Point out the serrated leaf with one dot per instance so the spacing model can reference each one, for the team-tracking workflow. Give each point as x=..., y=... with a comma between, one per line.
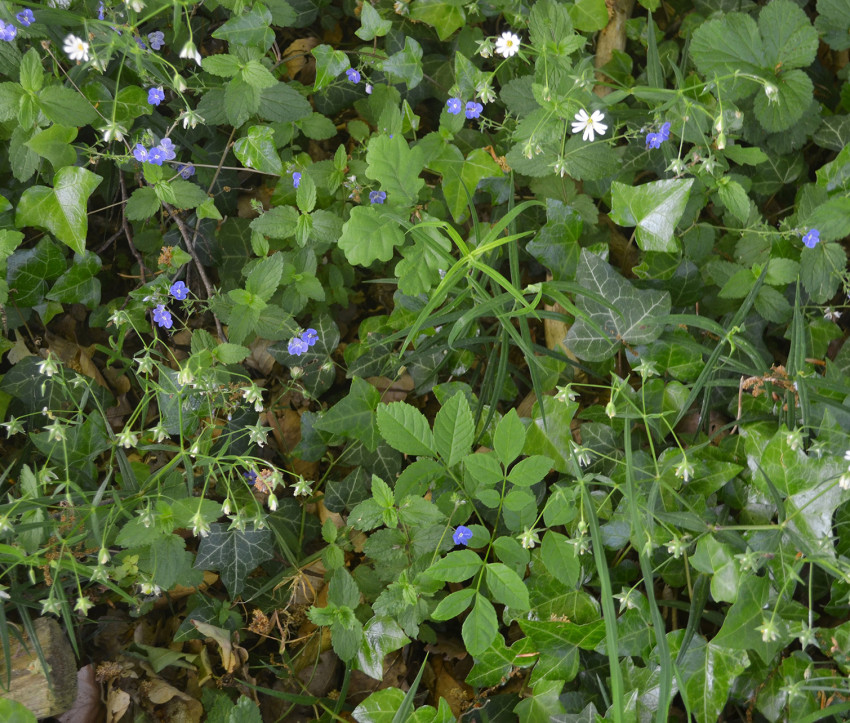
x=833, y=21
x=222, y=65
x=142, y=204
x=419, y=270
x=726, y=46
x=265, y=277
x=257, y=150
x=734, y=197
x=654, y=208
x=793, y=98
x=790, y=41
x=277, y=223
x=396, y=166
x=405, y=428
x=369, y=236
x=66, y=106
x=234, y=553
x=241, y=101
x=249, y=28
x=637, y=316
x=283, y=104
x=454, y=430
x=185, y=194
x=61, y=209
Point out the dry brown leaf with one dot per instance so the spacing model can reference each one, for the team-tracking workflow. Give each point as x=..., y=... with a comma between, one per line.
x=450, y=648
x=87, y=708
x=229, y=658
x=393, y=390
x=260, y=359
x=19, y=350
x=178, y=591
x=75, y=356
x=299, y=59
x=444, y=685
x=117, y=703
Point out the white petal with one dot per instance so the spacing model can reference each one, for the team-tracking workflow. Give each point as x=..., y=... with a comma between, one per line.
x=588, y=133
x=600, y=128
x=597, y=116
x=581, y=116
x=578, y=127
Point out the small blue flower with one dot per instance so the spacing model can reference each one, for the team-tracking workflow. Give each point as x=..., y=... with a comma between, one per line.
x=377, y=196
x=156, y=39
x=101, y=10
x=179, y=290
x=167, y=149
x=454, y=105
x=140, y=153
x=251, y=476
x=140, y=42
x=26, y=18
x=156, y=156
x=296, y=179
x=297, y=346
x=473, y=109
x=462, y=535
x=812, y=238
x=353, y=75
x=664, y=132
x=155, y=96
x=162, y=316
x=186, y=171
x=7, y=32
x=309, y=337
x=654, y=140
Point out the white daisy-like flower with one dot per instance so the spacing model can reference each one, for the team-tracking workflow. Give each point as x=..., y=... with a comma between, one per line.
x=76, y=48
x=507, y=44
x=589, y=124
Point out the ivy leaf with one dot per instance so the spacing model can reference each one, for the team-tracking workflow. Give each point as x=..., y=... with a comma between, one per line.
x=381, y=636
x=654, y=208
x=709, y=671
x=396, y=166
x=61, y=209
x=79, y=284
x=54, y=144
x=380, y=707
x=329, y=64
x=445, y=16
x=234, y=553
x=29, y=270
x=406, y=429
x=419, y=270
x=743, y=619
x=406, y=64
x=369, y=236
x=257, y=150
x=353, y=416
x=461, y=177
x=371, y=24
x=637, y=316
x=717, y=559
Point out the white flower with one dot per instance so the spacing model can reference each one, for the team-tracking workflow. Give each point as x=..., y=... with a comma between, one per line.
x=225, y=508
x=611, y=409
x=13, y=426
x=144, y=364
x=200, y=527
x=56, y=432
x=185, y=376
x=566, y=394
x=772, y=92
x=844, y=481
x=127, y=438
x=485, y=48
x=190, y=118
x=148, y=588
x=190, y=51
x=3, y=594
x=257, y=434
x=589, y=124
x=831, y=314
x=768, y=631
x=678, y=546
x=159, y=433
x=684, y=470
x=301, y=488
x=529, y=538
x=49, y=366
x=76, y=48
x=137, y=5
x=507, y=44
x=179, y=84
x=113, y=132
x=272, y=502
x=253, y=395
x=83, y=605
x=103, y=556
x=794, y=439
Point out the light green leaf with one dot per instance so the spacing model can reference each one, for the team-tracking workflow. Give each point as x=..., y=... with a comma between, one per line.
x=371, y=23
x=453, y=604
x=185, y=194
x=419, y=270
x=461, y=177
x=234, y=554
x=283, y=104
x=588, y=16
x=54, y=144
x=381, y=636
x=379, y=707
x=717, y=559
x=406, y=64
x=637, y=316
x=369, y=236
x=265, y=277
x=396, y=166
x=509, y=438
x=406, y=429
x=734, y=197
x=560, y=558
x=819, y=269
x=454, y=430
x=276, y=223
x=329, y=64
x=241, y=101
x=507, y=587
x=13, y=712
x=61, y=209
x=727, y=46
x=143, y=203
x=740, y=630
x=249, y=28
x=257, y=150
x=654, y=208
x=530, y=471
x=457, y=566
x=709, y=671
x=790, y=41
x=256, y=74
x=551, y=29
x=445, y=16
x=353, y=416
x=222, y=65
x=66, y=106
x=480, y=627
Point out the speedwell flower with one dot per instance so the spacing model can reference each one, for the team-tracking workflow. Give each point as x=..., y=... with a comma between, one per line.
x=812, y=238
x=297, y=346
x=25, y=17
x=589, y=124
x=76, y=48
x=162, y=316
x=156, y=39
x=462, y=535
x=310, y=336
x=7, y=32
x=473, y=109
x=454, y=105
x=377, y=196
x=654, y=140
x=179, y=290
x=507, y=44
x=186, y=171
x=155, y=96
x=296, y=179
x=353, y=75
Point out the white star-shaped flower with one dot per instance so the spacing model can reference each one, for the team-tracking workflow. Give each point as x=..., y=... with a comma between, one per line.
x=76, y=48
x=589, y=124
x=507, y=44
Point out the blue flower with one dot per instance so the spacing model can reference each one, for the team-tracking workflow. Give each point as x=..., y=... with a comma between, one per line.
x=7, y=32
x=140, y=153
x=309, y=337
x=353, y=75
x=296, y=179
x=167, y=148
x=186, y=171
x=454, y=105
x=664, y=132
x=156, y=156
x=377, y=196
x=156, y=39
x=251, y=476
x=654, y=140
x=162, y=316
x=179, y=290
x=473, y=109
x=155, y=96
x=462, y=535
x=26, y=18
x=812, y=238
x=297, y=346
x=140, y=42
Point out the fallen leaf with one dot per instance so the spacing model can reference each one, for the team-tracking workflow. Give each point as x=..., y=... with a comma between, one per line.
x=298, y=59
x=117, y=703
x=87, y=707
